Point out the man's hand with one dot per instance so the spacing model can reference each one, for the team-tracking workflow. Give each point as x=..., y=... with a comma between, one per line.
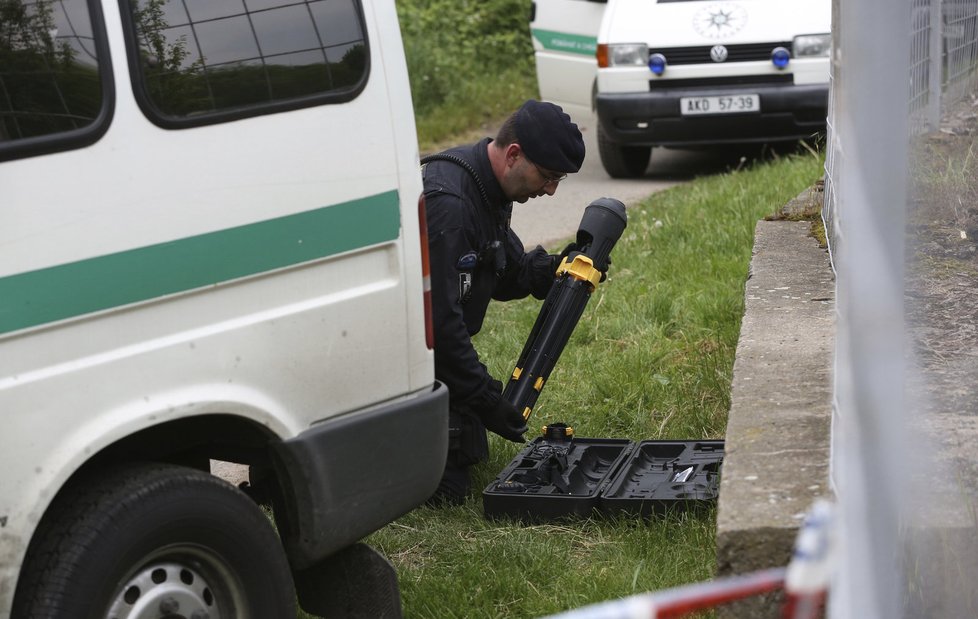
x=572, y=247
x=503, y=418
x=558, y=259
x=604, y=274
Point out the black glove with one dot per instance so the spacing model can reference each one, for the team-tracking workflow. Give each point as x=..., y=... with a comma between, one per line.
x=604, y=273
x=502, y=418
x=572, y=247
x=558, y=259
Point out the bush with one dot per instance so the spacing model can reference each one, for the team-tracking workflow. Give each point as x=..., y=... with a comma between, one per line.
x=468, y=61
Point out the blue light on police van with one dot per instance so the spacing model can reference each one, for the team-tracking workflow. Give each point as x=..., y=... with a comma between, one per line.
x=657, y=63
x=780, y=57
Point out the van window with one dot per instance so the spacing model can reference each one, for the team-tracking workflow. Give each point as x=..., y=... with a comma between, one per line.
x=203, y=58
x=49, y=69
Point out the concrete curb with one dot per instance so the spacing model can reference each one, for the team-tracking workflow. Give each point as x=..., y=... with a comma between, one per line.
x=777, y=441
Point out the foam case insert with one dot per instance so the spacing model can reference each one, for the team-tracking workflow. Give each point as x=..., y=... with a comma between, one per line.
x=555, y=478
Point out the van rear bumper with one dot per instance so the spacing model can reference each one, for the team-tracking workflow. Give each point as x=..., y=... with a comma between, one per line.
x=787, y=112
x=346, y=478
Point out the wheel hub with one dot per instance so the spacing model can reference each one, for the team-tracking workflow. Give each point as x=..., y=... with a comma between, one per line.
x=166, y=591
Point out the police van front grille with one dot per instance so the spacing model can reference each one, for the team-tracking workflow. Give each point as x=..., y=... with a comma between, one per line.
x=713, y=82
x=735, y=53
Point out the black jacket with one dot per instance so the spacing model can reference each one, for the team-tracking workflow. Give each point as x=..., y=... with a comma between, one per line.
x=467, y=271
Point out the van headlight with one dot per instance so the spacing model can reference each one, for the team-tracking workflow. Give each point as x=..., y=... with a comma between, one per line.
x=623, y=55
x=808, y=45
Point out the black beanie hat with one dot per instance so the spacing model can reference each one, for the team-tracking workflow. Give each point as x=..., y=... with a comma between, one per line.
x=548, y=137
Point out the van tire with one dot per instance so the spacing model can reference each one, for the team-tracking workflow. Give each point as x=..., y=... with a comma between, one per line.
x=622, y=161
x=154, y=536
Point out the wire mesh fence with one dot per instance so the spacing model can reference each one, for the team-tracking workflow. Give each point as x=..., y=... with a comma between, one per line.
x=943, y=56
x=901, y=214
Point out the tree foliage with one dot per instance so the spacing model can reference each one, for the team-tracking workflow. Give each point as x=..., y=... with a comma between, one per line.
x=450, y=42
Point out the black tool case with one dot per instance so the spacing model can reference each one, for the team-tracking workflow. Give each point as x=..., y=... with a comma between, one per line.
x=555, y=478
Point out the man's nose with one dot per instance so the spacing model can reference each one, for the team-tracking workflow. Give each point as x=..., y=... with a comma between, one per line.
x=550, y=188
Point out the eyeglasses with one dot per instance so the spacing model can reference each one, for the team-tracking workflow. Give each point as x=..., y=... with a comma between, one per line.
x=548, y=178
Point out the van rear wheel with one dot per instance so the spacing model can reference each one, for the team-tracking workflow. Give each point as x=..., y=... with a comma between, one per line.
x=622, y=161
x=155, y=541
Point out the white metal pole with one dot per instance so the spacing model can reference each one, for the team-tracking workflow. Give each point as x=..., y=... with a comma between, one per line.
x=935, y=64
x=869, y=432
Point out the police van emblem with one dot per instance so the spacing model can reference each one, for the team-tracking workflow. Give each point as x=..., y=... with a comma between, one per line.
x=718, y=53
x=719, y=20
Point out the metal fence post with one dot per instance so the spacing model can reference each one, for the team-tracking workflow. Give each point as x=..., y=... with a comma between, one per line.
x=936, y=64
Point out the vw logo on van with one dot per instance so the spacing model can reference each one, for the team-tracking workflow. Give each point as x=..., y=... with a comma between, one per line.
x=718, y=53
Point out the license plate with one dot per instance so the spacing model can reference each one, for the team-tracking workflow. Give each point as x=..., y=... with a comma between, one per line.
x=723, y=104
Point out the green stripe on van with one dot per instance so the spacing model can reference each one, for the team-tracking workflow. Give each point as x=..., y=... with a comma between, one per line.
x=565, y=42
x=67, y=290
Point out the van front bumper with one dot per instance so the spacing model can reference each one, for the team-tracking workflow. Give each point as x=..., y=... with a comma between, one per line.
x=787, y=112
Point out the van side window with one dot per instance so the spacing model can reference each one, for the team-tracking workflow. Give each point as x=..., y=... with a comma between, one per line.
x=50, y=79
x=242, y=57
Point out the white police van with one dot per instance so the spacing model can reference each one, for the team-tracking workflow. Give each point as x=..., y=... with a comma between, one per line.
x=685, y=72
x=211, y=247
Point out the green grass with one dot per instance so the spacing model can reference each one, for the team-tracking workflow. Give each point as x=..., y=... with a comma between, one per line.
x=454, y=563
x=651, y=359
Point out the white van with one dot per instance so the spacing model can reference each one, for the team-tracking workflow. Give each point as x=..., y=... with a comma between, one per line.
x=685, y=72
x=211, y=247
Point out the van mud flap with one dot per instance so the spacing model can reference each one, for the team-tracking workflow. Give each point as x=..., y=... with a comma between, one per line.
x=357, y=582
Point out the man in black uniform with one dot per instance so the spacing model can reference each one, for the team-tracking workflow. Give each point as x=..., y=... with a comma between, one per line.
x=475, y=256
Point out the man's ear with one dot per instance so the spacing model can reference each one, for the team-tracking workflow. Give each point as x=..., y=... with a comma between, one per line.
x=513, y=153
